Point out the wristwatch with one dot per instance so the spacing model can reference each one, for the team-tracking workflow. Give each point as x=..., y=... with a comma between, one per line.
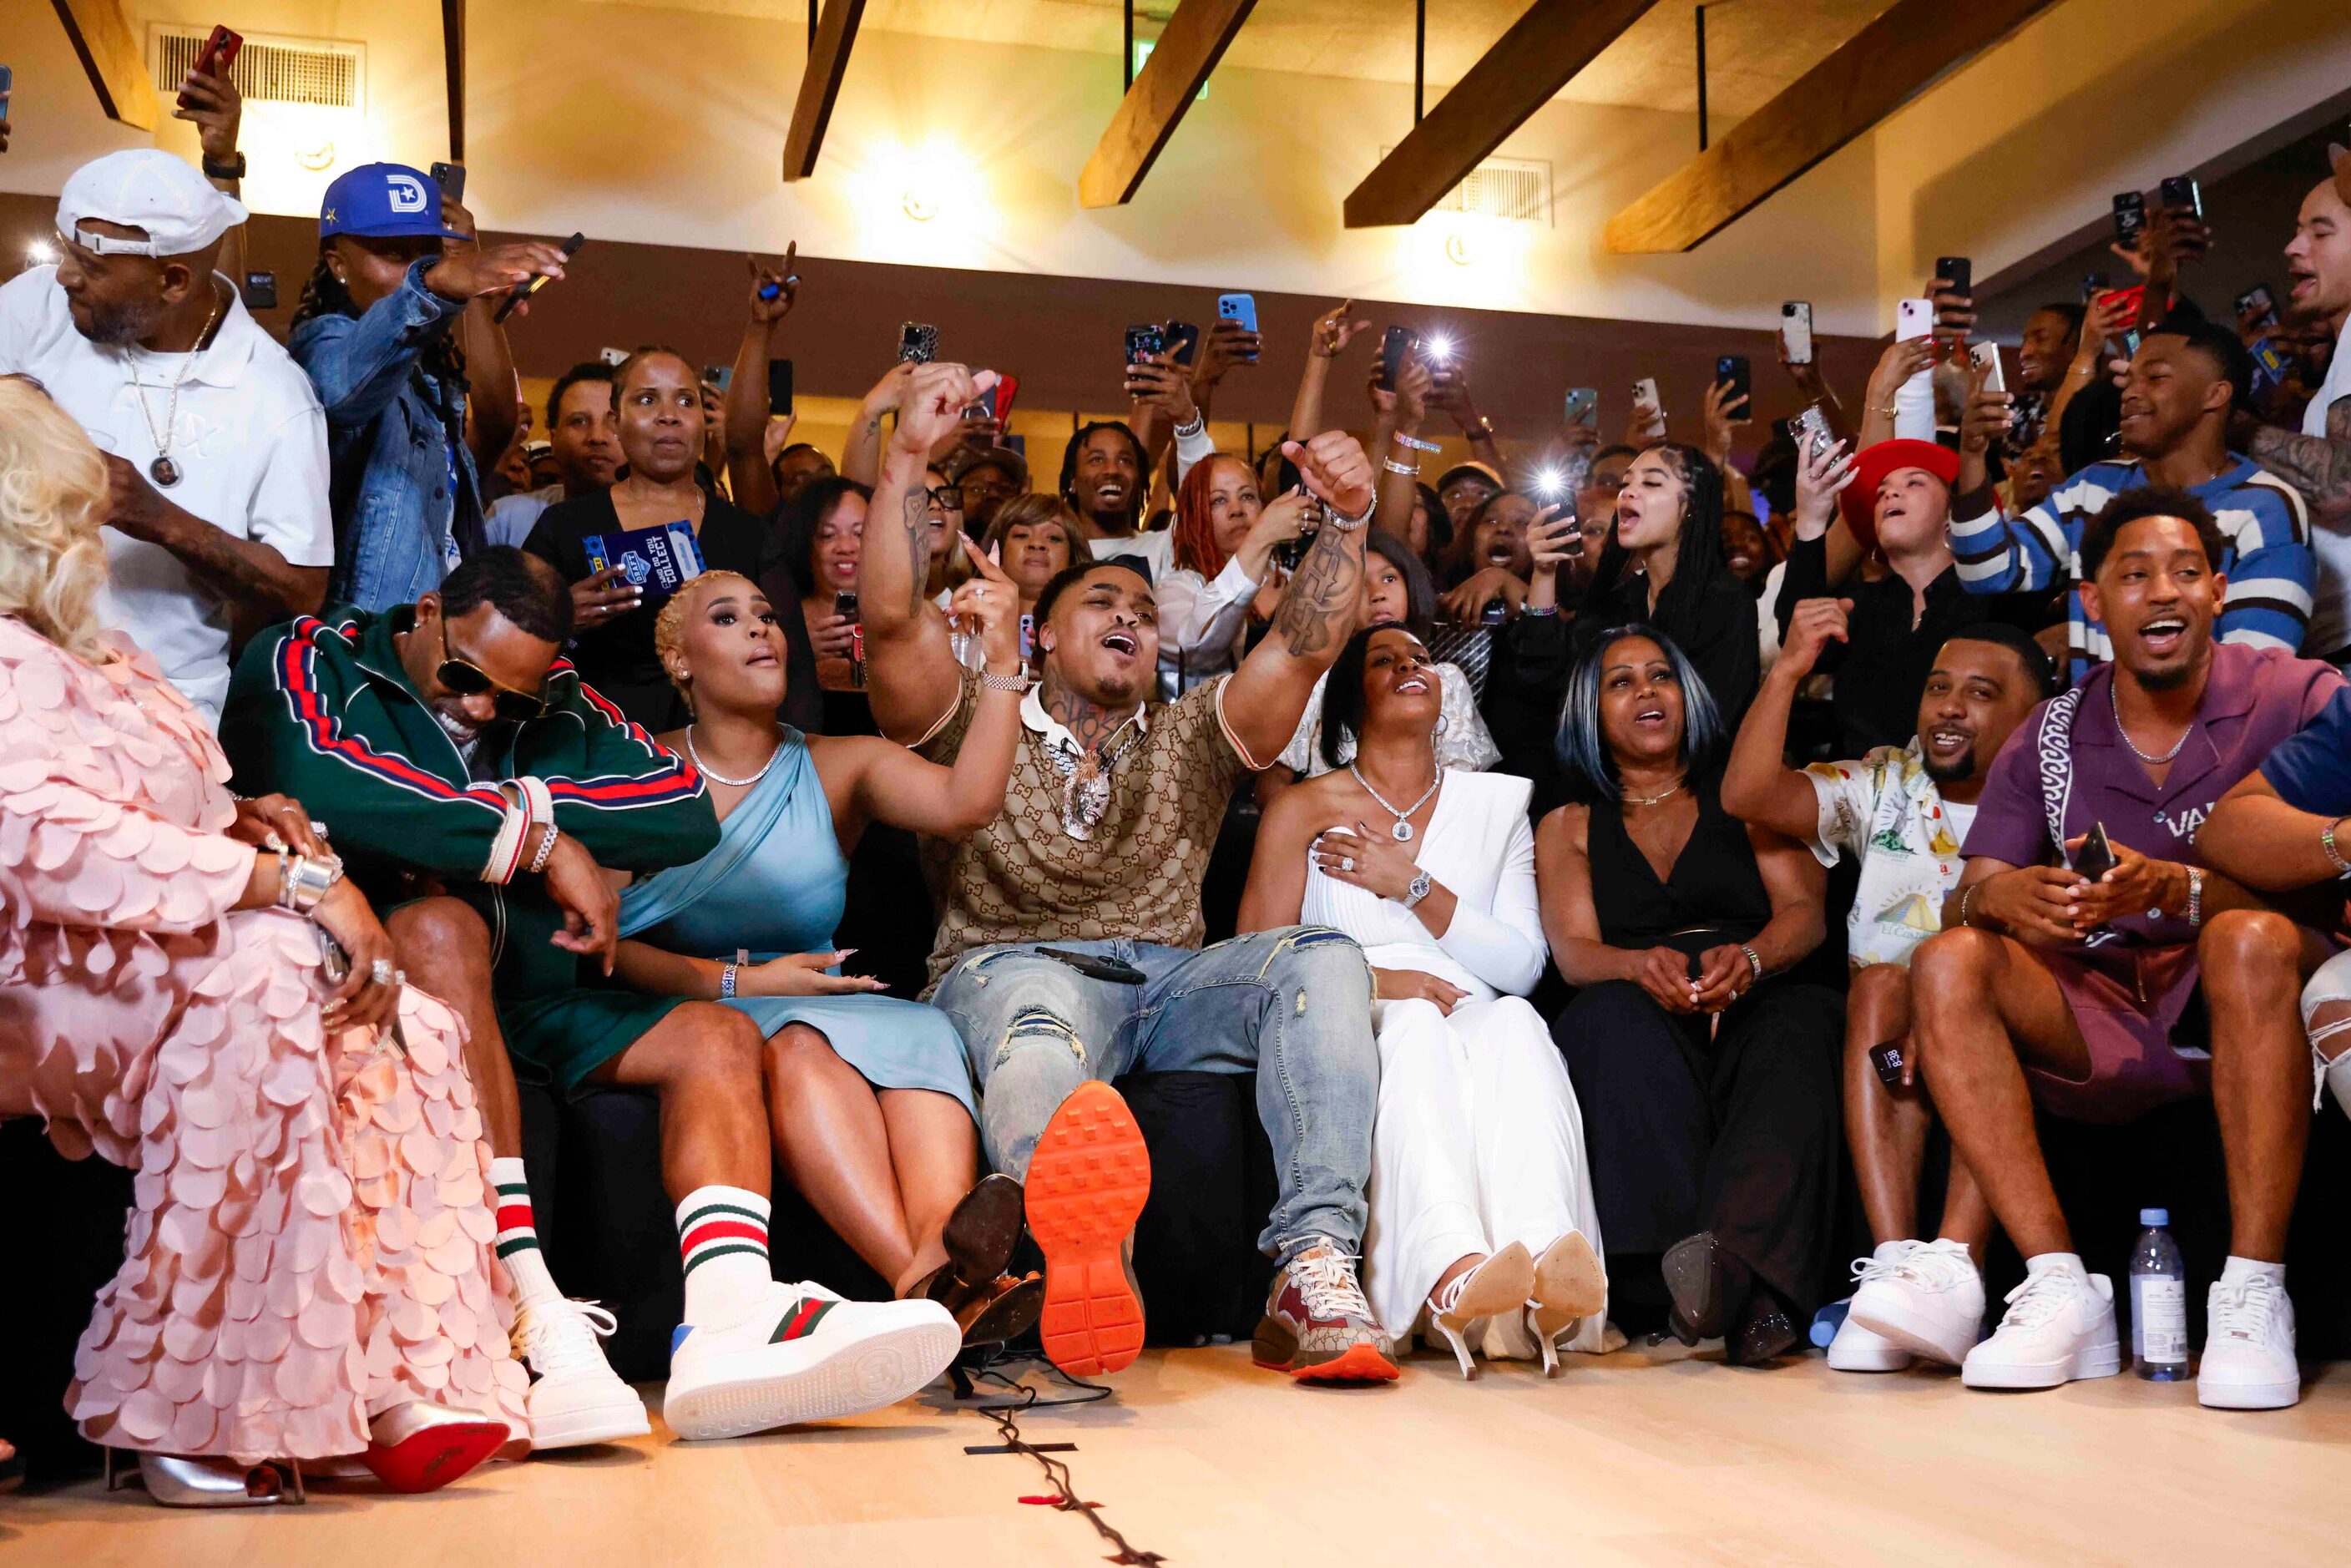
x=1417, y=891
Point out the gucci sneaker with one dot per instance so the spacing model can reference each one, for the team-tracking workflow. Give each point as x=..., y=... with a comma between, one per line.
x=2247, y=1347
x=1926, y=1298
x=2060, y=1326
x=575, y=1397
x=803, y=1354
x=1317, y=1324
x=1086, y=1186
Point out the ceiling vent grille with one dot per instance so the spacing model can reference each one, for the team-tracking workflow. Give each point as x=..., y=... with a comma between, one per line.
x=280, y=70
x=1511, y=190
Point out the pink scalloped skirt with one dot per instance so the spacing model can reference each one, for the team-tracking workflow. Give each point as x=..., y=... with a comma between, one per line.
x=310, y=1241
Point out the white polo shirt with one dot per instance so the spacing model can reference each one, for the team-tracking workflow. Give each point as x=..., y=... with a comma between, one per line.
x=249, y=439
x=2330, y=607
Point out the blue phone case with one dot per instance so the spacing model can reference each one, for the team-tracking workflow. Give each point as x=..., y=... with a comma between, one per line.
x=1240, y=307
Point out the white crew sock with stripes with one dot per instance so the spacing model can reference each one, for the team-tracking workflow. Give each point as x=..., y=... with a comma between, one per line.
x=518, y=1239
x=722, y=1232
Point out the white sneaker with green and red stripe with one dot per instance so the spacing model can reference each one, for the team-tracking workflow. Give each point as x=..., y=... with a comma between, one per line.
x=803, y=1354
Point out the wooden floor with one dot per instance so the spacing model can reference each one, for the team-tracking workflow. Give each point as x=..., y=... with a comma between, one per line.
x=1639, y=1457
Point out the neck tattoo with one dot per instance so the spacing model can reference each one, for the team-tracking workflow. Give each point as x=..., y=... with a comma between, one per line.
x=1102, y=737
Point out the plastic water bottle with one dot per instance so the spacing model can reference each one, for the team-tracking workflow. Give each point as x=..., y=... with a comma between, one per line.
x=2159, y=1284
x=1828, y=1320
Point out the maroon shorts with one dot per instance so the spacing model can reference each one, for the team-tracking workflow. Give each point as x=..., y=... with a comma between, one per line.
x=2145, y=1028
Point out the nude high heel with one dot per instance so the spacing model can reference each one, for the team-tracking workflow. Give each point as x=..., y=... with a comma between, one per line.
x=1498, y=1284
x=1570, y=1284
x=177, y=1480
x=419, y=1446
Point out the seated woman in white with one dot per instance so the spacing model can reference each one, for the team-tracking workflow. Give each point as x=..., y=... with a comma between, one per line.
x=1481, y=1204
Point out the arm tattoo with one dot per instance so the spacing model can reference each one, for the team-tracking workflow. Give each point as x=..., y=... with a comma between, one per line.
x=918, y=548
x=2319, y=466
x=1318, y=611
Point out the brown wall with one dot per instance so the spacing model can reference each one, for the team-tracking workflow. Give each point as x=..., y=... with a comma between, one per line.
x=1062, y=336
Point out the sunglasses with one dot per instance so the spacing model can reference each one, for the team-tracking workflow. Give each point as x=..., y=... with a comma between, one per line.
x=467, y=679
x=946, y=497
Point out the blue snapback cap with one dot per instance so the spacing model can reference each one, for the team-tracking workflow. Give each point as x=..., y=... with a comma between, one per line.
x=383, y=201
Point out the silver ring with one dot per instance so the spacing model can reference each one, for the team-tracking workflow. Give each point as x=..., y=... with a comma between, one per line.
x=1346, y=863
x=382, y=973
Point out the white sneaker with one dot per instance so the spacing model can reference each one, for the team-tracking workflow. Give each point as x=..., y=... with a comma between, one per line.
x=2060, y=1326
x=576, y=1397
x=2248, y=1348
x=803, y=1354
x=1927, y=1299
x=1856, y=1349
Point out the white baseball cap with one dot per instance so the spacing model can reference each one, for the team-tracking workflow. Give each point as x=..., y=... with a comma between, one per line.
x=146, y=188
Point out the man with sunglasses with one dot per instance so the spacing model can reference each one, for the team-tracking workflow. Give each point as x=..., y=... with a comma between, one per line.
x=472, y=787
x=214, y=441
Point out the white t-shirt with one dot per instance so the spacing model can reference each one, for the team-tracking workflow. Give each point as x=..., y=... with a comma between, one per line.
x=249, y=440
x=1157, y=548
x=2330, y=607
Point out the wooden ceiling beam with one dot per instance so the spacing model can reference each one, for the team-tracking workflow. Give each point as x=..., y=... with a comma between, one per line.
x=452, y=65
x=1542, y=51
x=1885, y=64
x=112, y=60
x=1189, y=47
x=828, y=62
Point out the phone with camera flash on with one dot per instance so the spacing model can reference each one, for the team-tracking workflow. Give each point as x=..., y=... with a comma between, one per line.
x=215, y=58
x=529, y=286
x=1796, y=331
x=451, y=178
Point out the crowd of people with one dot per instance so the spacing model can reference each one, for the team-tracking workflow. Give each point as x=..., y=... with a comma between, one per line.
x=364, y=762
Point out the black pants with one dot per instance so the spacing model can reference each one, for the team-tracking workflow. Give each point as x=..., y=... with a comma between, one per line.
x=1738, y=1135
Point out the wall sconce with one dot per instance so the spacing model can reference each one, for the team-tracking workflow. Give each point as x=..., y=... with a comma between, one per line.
x=1457, y=248
x=919, y=201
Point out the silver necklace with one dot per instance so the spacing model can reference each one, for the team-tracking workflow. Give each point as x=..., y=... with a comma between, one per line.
x=164, y=471
x=2114, y=703
x=718, y=777
x=1085, y=779
x=1401, y=832
x=1650, y=800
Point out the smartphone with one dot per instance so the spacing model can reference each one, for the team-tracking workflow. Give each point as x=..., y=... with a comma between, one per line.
x=1644, y=393
x=1811, y=430
x=2270, y=365
x=1183, y=340
x=2131, y=219
x=918, y=342
x=1958, y=271
x=1007, y=387
x=451, y=178
x=215, y=57
x=1732, y=370
x=260, y=291
x=1395, y=344
x=2258, y=303
x=779, y=386
x=1914, y=318
x=523, y=291
x=615, y=358
x=2092, y=284
x=2180, y=194
x=844, y=603
x=1796, y=330
x=1098, y=968
x=1240, y=307
x=1987, y=357
x=8, y=86
x=1145, y=343
x=2096, y=855
x=1027, y=634
x=1583, y=405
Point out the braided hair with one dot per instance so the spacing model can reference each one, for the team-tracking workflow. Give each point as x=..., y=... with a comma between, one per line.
x=324, y=293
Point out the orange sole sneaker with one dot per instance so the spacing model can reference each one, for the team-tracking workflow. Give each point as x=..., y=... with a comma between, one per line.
x=1086, y=1186
x=1362, y=1363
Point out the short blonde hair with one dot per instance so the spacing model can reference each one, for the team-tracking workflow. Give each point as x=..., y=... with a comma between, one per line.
x=669, y=626
x=54, y=495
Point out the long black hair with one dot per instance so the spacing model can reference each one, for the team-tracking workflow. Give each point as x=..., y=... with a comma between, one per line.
x=1697, y=559
x=324, y=295
x=1419, y=587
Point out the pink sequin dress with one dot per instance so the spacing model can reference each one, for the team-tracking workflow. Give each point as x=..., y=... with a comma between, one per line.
x=309, y=1243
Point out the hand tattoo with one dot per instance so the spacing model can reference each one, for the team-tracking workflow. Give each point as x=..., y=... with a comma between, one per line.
x=1318, y=611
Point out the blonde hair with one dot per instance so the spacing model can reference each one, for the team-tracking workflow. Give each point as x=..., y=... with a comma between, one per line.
x=669, y=626
x=54, y=495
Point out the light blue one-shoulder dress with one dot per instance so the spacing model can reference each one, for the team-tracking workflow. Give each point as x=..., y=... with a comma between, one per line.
x=776, y=884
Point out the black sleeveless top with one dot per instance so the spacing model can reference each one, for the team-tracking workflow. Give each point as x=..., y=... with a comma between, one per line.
x=1715, y=894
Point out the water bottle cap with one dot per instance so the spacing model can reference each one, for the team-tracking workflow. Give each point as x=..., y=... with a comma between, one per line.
x=2155, y=1217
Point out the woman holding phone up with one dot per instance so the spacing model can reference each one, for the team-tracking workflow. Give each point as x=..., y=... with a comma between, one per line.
x=869, y=1097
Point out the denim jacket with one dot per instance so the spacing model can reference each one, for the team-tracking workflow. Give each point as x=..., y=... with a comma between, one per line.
x=396, y=436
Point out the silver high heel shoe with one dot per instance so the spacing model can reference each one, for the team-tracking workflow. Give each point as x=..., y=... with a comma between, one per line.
x=1498, y=1284
x=177, y=1480
x=1570, y=1284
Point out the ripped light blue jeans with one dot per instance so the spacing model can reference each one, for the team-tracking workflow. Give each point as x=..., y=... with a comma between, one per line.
x=1293, y=1006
